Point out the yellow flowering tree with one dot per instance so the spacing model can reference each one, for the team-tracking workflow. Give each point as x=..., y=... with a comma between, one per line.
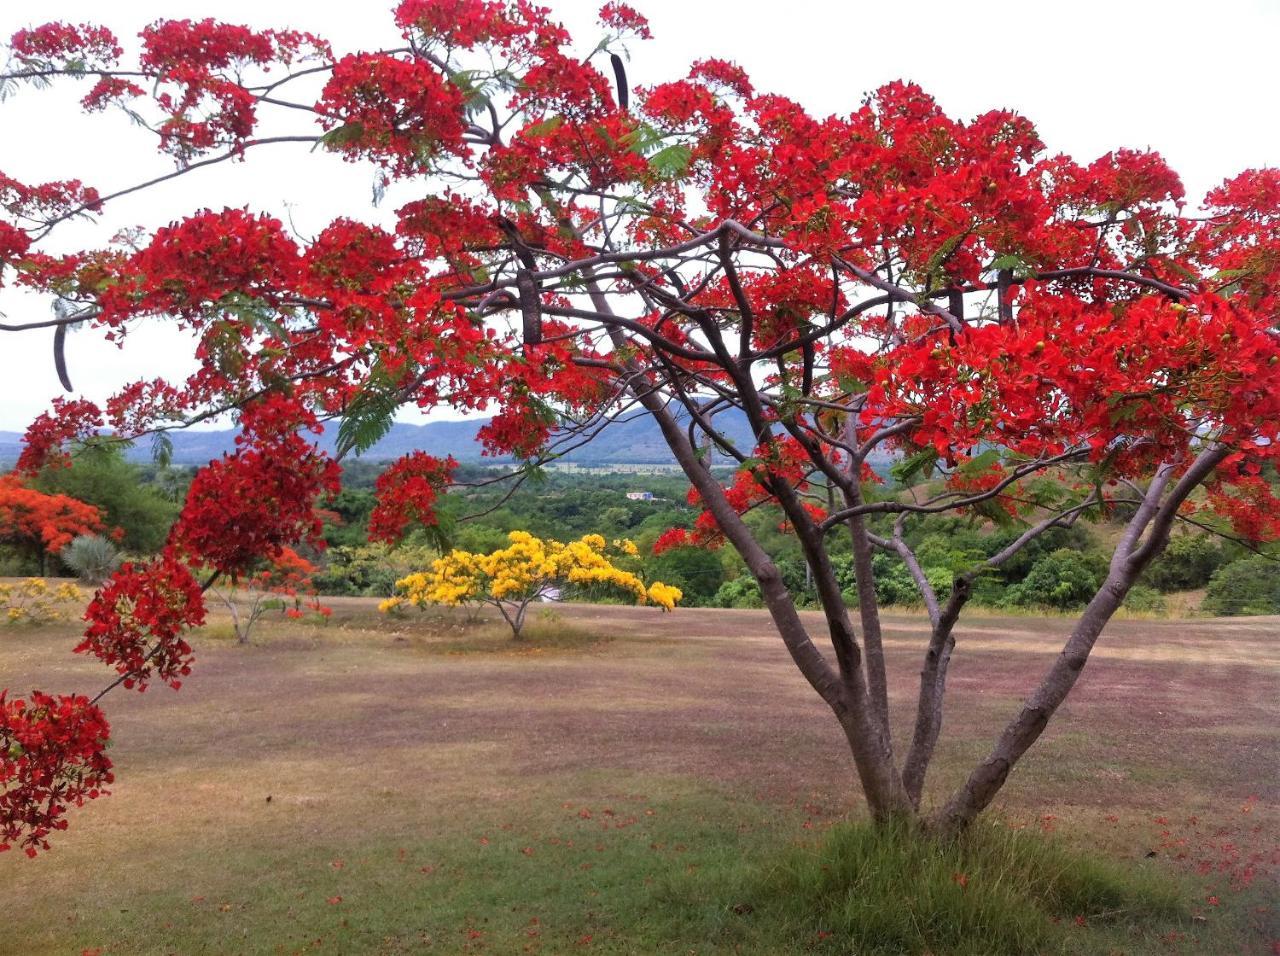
x=36, y=601
x=525, y=571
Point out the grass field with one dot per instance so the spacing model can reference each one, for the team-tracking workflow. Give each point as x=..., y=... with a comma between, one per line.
x=624, y=782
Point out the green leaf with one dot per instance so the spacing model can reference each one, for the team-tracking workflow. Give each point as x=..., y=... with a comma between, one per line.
x=253, y=312
x=920, y=463
x=162, y=449
x=980, y=463
x=368, y=419
x=672, y=161
x=644, y=139
x=343, y=135
x=994, y=513
x=548, y=125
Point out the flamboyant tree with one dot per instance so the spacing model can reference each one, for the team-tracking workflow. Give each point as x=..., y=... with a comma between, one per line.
x=1053, y=340
x=42, y=524
x=282, y=583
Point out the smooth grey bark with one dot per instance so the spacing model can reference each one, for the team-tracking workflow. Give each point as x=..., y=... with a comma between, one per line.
x=845, y=693
x=1154, y=517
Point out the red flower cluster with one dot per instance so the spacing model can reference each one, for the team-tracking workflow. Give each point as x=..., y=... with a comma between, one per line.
x=41, y=202
x=136, y=621
x=95, y=46
x=398, y=113
x=172, y=47
x=190, y=265
x=625, y=20
x=457, y=23
x=50, y=431
x=198, y=65
x=254, y=503
x=407, y=493
x=672, y=538
x=52, y=756
x=14, y=244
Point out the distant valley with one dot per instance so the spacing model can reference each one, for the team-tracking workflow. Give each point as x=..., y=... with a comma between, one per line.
x=634, y=440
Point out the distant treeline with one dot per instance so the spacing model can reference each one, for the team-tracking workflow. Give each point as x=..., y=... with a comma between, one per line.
x=1060, y=570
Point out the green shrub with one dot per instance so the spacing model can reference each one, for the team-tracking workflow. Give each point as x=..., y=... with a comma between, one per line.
x=1144, y=599
x=1248, y=586
x=369, y=570
x=91, y=558
x=1187, y=562
x=1016, y=568
x=1064, y=579
x=99, y=475
x=742, y=591
x=894, y=583
x=697, y=572
x=881, y=890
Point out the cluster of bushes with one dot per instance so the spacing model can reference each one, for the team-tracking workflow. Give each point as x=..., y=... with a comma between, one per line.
x=1060, y=570
x=137, y=505
x=36, y=601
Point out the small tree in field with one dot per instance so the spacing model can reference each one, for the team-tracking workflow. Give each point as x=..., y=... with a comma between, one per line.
x=1038, y=341
x=528, y=570
x=282, y=583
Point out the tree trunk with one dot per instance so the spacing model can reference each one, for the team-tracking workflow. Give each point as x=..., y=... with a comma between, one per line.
x=989, y=776
x=1153, y=518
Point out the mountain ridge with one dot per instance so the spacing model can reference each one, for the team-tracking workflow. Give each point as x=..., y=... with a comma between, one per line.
x=631, y=440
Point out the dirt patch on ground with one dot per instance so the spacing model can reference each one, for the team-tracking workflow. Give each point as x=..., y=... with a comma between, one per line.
x=711, y=694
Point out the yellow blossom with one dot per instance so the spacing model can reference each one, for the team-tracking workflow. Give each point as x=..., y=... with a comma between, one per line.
x=527, y=569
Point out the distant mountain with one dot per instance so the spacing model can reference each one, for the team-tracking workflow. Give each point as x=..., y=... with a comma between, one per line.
x=634, y=440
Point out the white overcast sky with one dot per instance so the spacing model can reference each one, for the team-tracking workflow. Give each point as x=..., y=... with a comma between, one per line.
x=1193, y=79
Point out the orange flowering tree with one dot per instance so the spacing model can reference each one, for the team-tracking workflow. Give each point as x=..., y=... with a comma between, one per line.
x=39, y=523
x=1053, y=340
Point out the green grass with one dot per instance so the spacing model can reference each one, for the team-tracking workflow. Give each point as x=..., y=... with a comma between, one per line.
x=894, y=890
x=626, y=865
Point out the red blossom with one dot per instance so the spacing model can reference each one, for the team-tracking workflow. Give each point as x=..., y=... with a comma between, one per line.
x=407, y=493
x=671, y=538
x=397, y=112
x=189, y=266
x=95, y=45
x=254, y=503
x=137, y=619
x=52, y=756
x=624, y=18
x=47, y=523
x=459, y=23
x=50, y=431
